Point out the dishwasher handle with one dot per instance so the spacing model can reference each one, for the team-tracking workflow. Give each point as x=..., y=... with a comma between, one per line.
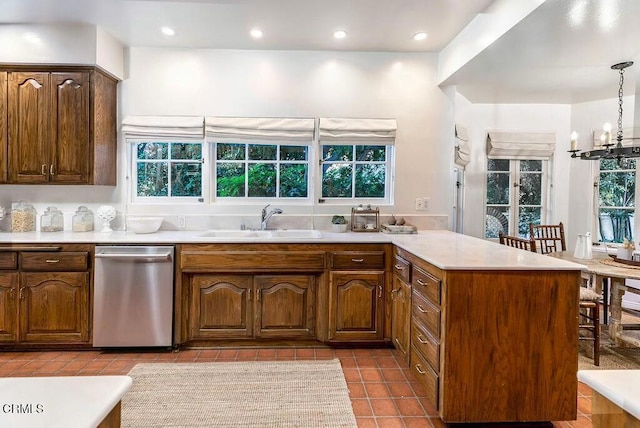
x=132, y=257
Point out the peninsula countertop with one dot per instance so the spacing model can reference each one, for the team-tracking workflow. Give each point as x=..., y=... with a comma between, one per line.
x=442, y=248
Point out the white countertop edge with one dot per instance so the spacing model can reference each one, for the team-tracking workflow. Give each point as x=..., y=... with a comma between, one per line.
x=78, y=401
x=442, y=248
x=621, y=387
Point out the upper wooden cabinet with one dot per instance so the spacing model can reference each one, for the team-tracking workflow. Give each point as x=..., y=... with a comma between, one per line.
x=57, y=125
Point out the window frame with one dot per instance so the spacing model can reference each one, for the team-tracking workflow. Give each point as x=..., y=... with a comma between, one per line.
x=132, y=178
x=389, y=163
x=514, y=203
x=596, y=203
x=248, y=200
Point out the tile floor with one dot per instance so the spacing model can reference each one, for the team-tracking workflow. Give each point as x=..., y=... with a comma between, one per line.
x=383, y=391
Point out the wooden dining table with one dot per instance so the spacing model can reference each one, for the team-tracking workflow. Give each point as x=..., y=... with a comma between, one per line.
x=604, y=268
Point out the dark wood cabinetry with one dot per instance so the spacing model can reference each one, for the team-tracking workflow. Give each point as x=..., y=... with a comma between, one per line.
x=59, y=126
x=246, y=306
x=250, y=291
x=357, y=296
x=473, y=342
x=401, y=306
x=45, y=296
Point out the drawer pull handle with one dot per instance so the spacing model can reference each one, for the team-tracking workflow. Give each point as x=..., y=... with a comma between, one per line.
x=21, y=296
x=398, y=267
x=52, y=261
x=419, y=369
x=357, y=260
x=421, y=282
x=421, y=309
x=43, y=169
x=52, y=170
x=421, y=339
x=379, y=291
x=11, y=292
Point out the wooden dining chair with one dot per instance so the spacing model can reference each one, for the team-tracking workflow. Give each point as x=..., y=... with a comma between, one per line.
x=517, y=242
x=550, y=238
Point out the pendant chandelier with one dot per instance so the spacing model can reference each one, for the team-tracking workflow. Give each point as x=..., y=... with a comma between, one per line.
x=608, y=149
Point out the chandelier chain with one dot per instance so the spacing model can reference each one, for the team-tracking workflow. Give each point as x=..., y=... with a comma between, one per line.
x=619, y=135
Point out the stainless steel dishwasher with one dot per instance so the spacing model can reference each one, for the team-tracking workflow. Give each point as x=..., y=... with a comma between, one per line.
x=133, y=296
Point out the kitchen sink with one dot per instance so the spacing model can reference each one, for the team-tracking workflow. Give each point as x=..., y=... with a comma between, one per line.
x=296, y=233
x=236, y=234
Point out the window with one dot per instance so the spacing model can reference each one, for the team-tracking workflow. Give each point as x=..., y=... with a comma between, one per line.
x=245, y=170
x=509, y=211
x=616, y=200
x=167, y=170
x=355, y=171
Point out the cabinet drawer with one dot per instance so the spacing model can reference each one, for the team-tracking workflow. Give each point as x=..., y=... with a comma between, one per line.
x=402, y=269
x=8, y=260
x=426, y=345
x=255, y=261
x=426, y=284
x=427, y=377
x=354, y=260
x=49, y=262
x=426, y=313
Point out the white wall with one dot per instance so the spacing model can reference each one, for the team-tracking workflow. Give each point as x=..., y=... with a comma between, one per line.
x=481, y=118
x=286, y=83
x=310, y=84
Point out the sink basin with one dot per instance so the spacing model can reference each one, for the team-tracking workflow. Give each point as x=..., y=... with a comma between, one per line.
x=236, y=234
x=296, y=233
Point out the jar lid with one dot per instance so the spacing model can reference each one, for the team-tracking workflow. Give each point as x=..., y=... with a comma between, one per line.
x=23, y=206
x=83, y=209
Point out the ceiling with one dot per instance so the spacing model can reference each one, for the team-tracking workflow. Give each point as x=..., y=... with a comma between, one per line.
x=559, y=53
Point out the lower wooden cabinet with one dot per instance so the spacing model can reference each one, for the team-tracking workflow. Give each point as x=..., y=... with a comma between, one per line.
x=45, y=298
x=54, y=307
x=401, y=316
x=9, y=307
x=356, y=306
x=251, y=306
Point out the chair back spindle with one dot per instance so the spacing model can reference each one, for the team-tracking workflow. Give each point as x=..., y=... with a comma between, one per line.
x=549, y=237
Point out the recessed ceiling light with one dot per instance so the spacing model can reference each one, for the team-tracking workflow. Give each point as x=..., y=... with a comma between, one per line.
x=340, y=34
x=420, y=36
x=168, y=31
x=256, y=33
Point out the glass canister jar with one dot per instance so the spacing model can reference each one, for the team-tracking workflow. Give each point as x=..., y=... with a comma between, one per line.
x=23, y=217
x=82, y=220
x=52, y=220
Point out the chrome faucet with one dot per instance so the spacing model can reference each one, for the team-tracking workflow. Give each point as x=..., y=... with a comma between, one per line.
x=267, y=215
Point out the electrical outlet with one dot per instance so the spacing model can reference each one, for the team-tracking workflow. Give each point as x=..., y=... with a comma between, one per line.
x=182, y=222
x=422, y=204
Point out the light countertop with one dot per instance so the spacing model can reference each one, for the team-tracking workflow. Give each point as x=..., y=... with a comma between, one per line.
x=59, y=402
x=442, y=248
x=621, y=387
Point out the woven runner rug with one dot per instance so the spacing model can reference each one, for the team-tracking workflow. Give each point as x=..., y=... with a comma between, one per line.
x=238, y=394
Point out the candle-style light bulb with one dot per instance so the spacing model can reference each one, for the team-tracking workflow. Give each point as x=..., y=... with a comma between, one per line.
x=606, y=135
x=574, y=141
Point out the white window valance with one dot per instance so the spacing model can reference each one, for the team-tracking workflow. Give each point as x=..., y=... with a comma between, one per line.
x=630, y=136
x=260, y=129
x=354, y=131
x=463, y=151
x=521, y=145
x=178, y=127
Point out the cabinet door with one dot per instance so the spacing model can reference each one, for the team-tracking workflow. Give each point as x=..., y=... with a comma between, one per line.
x=285, y=306
x=220, y=307
x=401, y=316
x=8, y=307
x=356, y=305
x=4, y=161
x=29, y=127
x=69, y=155
x=54, y=307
